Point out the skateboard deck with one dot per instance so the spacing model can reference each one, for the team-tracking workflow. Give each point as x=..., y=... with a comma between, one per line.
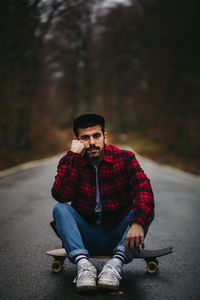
x=150, y=256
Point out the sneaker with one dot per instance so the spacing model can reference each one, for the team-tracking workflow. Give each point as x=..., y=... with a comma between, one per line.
x=86, y=279
x=109, y=278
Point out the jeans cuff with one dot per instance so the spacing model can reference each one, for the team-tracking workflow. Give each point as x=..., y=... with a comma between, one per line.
x=77, y=252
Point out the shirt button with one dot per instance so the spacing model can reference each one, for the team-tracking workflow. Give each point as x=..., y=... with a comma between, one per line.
x=93, y=188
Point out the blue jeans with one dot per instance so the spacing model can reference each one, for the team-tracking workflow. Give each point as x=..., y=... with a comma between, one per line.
x=80, y=237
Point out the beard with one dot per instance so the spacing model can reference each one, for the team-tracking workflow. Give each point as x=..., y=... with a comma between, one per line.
x=94, y=153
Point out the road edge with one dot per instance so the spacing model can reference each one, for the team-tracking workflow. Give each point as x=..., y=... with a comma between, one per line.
x=28, y=165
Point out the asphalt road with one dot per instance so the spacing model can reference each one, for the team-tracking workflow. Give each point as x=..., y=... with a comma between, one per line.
x=26, y=210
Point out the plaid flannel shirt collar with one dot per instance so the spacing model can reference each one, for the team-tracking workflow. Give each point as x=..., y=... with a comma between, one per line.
x=107, y=156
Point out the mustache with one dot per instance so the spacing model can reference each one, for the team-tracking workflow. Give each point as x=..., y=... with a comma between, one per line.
x=92, y=147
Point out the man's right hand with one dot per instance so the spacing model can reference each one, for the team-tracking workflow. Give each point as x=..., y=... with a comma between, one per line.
x=77, y=147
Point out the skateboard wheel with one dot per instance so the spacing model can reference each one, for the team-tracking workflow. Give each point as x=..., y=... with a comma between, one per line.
x=152, y=267
x=57, y=266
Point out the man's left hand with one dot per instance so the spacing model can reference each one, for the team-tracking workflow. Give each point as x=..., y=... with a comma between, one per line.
x=134, y=238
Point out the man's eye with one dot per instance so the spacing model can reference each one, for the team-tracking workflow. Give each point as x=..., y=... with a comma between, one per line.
x=96, y=136
x=85, y=137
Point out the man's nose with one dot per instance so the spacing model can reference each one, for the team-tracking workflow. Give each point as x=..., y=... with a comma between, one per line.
x=92, y=142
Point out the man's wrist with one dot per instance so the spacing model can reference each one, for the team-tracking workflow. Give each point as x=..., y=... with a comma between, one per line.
x=135, y=224
x=71, y=152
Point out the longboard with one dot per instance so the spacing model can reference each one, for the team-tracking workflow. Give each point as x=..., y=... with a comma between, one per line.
x=150, y=256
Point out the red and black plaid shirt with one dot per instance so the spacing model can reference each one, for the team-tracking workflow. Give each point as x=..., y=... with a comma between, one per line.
x=122, y=184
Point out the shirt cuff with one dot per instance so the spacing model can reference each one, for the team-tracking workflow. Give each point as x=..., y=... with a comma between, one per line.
x=73, y=154
x=139, y=218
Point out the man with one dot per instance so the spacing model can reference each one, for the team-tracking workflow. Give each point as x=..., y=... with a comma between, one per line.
x=112, y=204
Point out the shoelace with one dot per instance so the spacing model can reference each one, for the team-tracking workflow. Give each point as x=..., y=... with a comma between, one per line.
x=110, y=271
x=85, y=272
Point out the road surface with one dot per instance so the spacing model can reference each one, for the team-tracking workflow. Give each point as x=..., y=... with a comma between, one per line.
x=26, y=210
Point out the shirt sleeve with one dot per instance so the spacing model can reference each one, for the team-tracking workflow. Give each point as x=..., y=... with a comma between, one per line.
x=66, y=179
x=143, y=198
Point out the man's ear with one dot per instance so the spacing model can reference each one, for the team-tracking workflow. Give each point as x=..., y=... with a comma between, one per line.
x=105, y=136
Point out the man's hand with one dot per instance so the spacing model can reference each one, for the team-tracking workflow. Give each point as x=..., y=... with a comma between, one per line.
x=77, y=147
x=135, y=237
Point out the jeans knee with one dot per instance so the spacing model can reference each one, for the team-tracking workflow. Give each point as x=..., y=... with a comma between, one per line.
x=59, y=209
x=56, y=210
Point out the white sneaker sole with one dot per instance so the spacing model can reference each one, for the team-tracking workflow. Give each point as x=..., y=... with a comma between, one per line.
x=107, y=287
x=86, y=288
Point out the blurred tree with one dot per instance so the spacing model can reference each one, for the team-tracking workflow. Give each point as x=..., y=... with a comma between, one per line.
x=17, y=56
x=69, y=47
x=171, y=62
x=148, y=67
x=118, y=63
x=21, y=80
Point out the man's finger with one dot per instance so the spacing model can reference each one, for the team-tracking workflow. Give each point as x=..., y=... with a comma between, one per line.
x=126, y=245
x=142, y=241
x=132, y=245
x=137, y=242
x=77, y=146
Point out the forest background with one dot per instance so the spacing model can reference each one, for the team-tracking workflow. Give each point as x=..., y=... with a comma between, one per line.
x=136, y=62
